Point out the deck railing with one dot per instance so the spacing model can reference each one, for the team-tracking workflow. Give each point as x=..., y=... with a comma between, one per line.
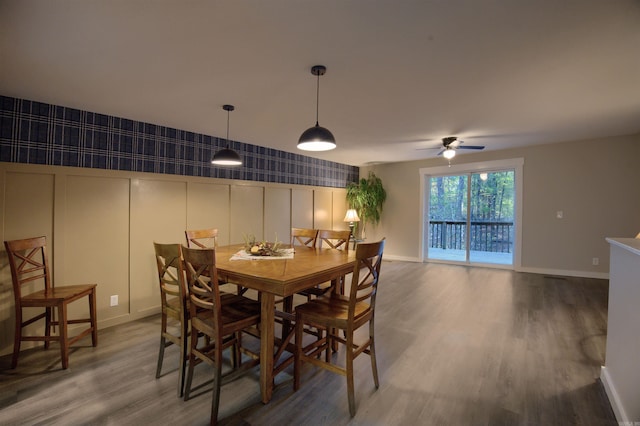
x=489, y=236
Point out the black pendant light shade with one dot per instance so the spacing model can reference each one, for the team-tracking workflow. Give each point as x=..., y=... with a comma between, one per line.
x=317, y=138
x=227, y=156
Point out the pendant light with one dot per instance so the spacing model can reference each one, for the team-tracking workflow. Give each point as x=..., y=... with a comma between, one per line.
x=227, y=156
x=317, y=138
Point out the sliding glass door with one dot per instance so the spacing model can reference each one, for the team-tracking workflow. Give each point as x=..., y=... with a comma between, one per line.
x=448, y=218
x=471, y=217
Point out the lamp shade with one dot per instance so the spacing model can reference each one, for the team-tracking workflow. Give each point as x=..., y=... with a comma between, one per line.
x=226, y=157
x=316, y=138
x=351, y=216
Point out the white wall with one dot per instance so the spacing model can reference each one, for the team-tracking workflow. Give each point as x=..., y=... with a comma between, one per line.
x=100, y=226
x=596, y=183
x=621, y=374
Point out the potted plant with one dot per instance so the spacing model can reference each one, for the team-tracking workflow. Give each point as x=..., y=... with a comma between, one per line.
x=367, y=197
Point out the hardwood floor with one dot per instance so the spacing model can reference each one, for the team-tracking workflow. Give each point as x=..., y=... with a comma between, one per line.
x=456, y=346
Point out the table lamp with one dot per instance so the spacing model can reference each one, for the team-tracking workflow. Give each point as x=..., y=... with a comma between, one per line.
x=351, y=217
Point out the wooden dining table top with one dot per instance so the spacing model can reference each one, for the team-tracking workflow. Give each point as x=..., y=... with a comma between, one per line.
x=284, y=277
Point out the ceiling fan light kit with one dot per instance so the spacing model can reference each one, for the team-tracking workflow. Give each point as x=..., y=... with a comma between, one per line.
x=317, y=138
x=449, y=153
x=227, y=156
x=451, y=143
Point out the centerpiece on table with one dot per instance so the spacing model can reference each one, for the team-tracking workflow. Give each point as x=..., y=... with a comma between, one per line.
x=262, y=248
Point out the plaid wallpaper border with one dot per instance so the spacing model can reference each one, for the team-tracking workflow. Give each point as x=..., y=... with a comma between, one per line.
x=38, y=133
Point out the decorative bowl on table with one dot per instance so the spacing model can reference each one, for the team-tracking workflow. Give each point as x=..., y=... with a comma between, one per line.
x=261, y=248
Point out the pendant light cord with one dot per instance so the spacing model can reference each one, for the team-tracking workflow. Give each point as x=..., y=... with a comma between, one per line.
x=317, y=96
x=228, y=112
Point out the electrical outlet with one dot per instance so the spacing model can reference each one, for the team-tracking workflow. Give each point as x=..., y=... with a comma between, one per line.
x=114, y=300
x=559, y=214
x=595, y=261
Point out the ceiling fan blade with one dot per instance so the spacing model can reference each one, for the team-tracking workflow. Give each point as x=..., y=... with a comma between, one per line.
x=470, y=147
x=440, y=152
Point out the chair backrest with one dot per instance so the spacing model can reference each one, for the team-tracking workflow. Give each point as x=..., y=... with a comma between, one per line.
x=338, y=240
x=29, y=265
x=364, y=283
x=171, y=275
x=202, y=238
x=202, y=282
x=303, y=237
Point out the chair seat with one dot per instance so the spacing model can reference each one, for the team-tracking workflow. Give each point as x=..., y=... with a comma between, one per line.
x=235, y=309
x=238, y=313
x=55, y=296
x=331, y=311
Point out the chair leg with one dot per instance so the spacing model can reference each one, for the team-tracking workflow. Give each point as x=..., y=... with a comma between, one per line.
x=17, y=338
x=184, y=342
x=236, y=355
x=94, y=318
x=160, y=356
x=297, y=363
x=287, y=306
x=372, y=354
x=163, y=344
x=64, y=338
x=215, y=400
x=350, y=383
x=192, y=360
x=47, y=326
x=330, y=344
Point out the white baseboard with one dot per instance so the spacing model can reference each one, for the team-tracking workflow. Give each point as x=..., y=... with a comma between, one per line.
x=614, y=398
x=542, y=271
x=401, y=258
x=128, y=317
x=565, y=273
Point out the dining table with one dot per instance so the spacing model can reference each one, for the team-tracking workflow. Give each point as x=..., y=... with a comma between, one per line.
x=280, y=277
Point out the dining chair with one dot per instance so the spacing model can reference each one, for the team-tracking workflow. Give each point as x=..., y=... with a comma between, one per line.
x=221, y=323
x=300, y=237
x=335, y=240
x=30, y=270
x=347, y=313
x=173, y=300
x=202, y=238
x=207, y=238
x=303, y=237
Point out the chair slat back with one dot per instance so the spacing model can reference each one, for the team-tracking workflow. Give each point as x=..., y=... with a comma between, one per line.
x=303, y=237
x=366, y=274
x=202, y=282
x=202, y=238
x=338, y=240
x=28, y=263
x=170, y=273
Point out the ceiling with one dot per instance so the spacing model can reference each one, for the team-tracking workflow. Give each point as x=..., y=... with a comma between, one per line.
x=401, y=75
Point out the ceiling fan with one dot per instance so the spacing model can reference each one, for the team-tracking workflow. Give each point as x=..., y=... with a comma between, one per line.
x=451, y=143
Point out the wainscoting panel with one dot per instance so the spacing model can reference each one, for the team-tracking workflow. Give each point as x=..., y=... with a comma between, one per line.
x=208, y=207
x=101, y=224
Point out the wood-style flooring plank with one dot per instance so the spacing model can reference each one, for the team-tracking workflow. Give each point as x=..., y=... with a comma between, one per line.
x=456, y=345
